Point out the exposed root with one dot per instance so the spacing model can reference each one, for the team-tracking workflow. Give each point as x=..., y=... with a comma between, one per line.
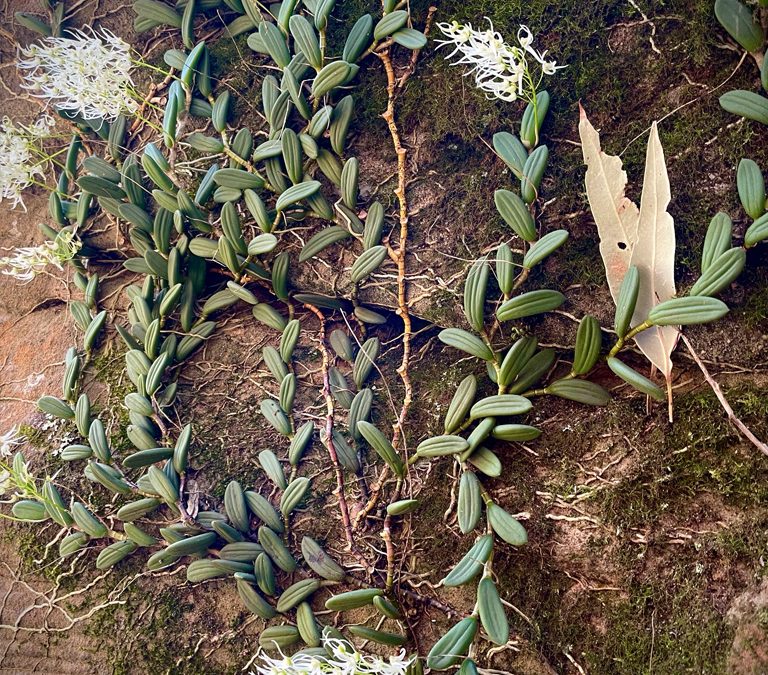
x=328, y=440
x=398, y=255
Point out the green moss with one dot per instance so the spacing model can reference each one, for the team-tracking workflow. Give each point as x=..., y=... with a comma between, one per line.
x=699, y=453
x=441, y=308
x=646, y=628
x=754, y=310
x=34, y=437
x=370, y=101
x=746, y=540
x=149, y=633
x=652, y=631
x=577, y=263
x=227, y=58
x=30, y=547
x=602, y=72
x=109, y=369
x=223, y=452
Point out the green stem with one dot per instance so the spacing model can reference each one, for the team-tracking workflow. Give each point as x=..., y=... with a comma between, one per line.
x=622, y=341
x=243, y=162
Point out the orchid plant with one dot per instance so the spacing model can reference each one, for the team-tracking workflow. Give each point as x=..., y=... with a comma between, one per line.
x=236, y=216
x=500, y=70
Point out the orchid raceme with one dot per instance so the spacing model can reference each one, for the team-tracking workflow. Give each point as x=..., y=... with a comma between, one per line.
x=21, y=157
x=342, y=659
x=26, y=263
x=501, y=70
x=15, y=475
x=83, y=74
x=8, y=440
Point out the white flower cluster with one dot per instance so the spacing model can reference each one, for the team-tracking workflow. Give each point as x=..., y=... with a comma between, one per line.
x=343, y=659
x=500, y=70
x=85, y=74
x=26, y=263
x=7, y=441
x=6, y=482
x=20, y=157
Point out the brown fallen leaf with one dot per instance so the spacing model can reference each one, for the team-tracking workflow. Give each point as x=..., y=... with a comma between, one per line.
x=616, y=216
x=654, y=256
x=644, y=237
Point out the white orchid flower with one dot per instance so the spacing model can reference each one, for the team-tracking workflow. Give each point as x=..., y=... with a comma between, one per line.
x=501, y=70
x=26, y=263
x=84, y=74
x=342, y=659
x=20, y=157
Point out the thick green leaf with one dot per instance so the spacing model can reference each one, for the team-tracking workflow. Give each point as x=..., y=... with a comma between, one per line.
x=757, y=231
x=544, y=247
x=738, y=20
x=746, y=104
x=515, y=214
x=466, y=342
x=505, y=526
x=717, y=240
x=322, y=240
x=379, y=442
x=588, y=343
x=533, y=172
x=410, y=38
x=581, y=391
x=625, y=305
x=500, y=405
x=470, y=502
x=529, y=304
x=472, y=563
x=460, y=404
x=511, y=150
x=451, y=648
x=368, y=262
x=492, y=614
x=474, y=293
x=751, y=187
x=439, y=446
x=687, y=311
x=721, y=273
x=638, y=381
x=296, y=193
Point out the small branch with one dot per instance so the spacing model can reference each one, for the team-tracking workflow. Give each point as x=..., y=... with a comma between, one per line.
x=248, y=166
x=403, y=312
x=735, y=421
x=622, y=341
